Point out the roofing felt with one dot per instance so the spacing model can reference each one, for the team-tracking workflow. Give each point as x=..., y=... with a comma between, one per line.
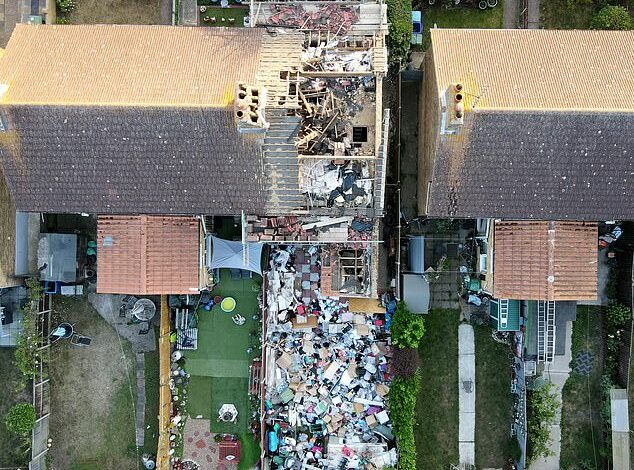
x=148, y=255
x=538, y=260
x=536, y=165
x=124, y=65
x=114, y=160
x=537, y=69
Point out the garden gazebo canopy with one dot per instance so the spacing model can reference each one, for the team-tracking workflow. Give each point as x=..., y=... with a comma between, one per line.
x=230, y=254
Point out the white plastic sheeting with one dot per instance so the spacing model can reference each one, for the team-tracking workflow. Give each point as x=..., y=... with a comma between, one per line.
x=229, y=254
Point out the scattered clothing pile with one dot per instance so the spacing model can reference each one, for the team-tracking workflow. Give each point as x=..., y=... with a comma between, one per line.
x=327, y=381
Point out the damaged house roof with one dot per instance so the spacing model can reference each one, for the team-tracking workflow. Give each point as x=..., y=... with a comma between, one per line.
x=148, y=255
x=539, y=260
x=547, y=133
x=115, y=128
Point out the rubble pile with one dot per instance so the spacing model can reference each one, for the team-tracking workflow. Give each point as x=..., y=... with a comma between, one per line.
x=328, y=107
x=327, y=381
x=339, y=183
x=333, y=18
x=328, y=58
x=318, y=229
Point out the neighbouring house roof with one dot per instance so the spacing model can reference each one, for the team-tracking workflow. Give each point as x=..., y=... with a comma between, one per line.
x=536, y=165
x=130, y=160
x=537, y=69
x=137, y=119
x=125, y=65
x=545, y=260
x=148, y=255
x=547, y=133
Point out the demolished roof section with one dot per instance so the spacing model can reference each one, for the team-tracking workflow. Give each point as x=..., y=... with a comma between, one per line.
x=545, y=260
x=148, y=255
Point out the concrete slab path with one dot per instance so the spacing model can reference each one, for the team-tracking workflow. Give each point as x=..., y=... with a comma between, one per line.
x=557, y=373
x=466, y=394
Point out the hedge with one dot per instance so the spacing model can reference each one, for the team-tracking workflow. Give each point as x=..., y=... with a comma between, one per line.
x=402, y=401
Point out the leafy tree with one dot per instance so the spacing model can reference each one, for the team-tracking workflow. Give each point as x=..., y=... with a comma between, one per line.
x=612, y=17
x=407, y=329
x=21, y=418
x=399, y=13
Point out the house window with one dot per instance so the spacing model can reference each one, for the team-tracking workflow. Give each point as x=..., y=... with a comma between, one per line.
x=360, y=134
x=352, y=270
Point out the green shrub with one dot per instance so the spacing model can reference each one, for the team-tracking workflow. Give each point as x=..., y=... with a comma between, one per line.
x=407, y=329
x=21, y=419
x=399, y=14
x=405, y=362
x=402, y=401
x=618, y=315
x=66, y=5
x=612, y=17
x=542, y=411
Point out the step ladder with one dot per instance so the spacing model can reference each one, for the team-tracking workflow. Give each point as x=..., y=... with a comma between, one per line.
x=545, y=331
x=504, y=314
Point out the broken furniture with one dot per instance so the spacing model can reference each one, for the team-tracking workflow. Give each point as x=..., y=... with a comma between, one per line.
x=80, y=340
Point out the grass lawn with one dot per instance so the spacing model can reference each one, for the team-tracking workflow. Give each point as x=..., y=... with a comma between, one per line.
x=13, y=452
x=92, y=423
x=237, y=13
x=152, y=380
x=461, y=17
x=219, y=368
x=115, y=12
x=581, y=420
x=555, y=14
x=494, y=400
x=436, y=426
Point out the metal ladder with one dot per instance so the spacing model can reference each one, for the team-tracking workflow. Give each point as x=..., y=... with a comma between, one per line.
x=504, y=313
x=545, y=331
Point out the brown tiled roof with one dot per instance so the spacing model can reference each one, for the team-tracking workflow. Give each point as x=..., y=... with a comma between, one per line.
x=537, y=69
x=147, y=255
x=545, y=260
x=128, y=65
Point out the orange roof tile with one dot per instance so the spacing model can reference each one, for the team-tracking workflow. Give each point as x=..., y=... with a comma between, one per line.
x=147, y=255
x=115, y=65
x=537, y=69
x=545, y=260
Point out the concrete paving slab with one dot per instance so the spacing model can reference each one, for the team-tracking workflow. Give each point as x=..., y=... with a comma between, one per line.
x=466, y=394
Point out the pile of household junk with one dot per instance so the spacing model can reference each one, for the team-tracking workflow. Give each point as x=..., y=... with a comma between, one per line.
x=327, y=386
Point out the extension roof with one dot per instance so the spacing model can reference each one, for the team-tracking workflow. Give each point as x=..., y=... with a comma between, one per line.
x=548, y=131
x=133, y=119
x=148, y=255
x=538, y=260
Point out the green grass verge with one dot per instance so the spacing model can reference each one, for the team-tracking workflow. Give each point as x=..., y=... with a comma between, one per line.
x=436, y=428
x=15, y=389
x=461, y=17
x=581, y=421
x=236, y=13
x=556, y=14
x=152, y=380
x=494, y=401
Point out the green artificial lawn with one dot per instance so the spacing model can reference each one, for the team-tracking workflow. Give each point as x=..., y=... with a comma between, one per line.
x=249, y=452
x=461, y=17
x=219, y=368
x=237, y=13
x=436, y=428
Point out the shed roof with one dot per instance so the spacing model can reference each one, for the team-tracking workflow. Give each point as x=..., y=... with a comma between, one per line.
x=545, y=260
x=537, y=69
x=125, y=65
x=148, y=255
x=512, y=322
